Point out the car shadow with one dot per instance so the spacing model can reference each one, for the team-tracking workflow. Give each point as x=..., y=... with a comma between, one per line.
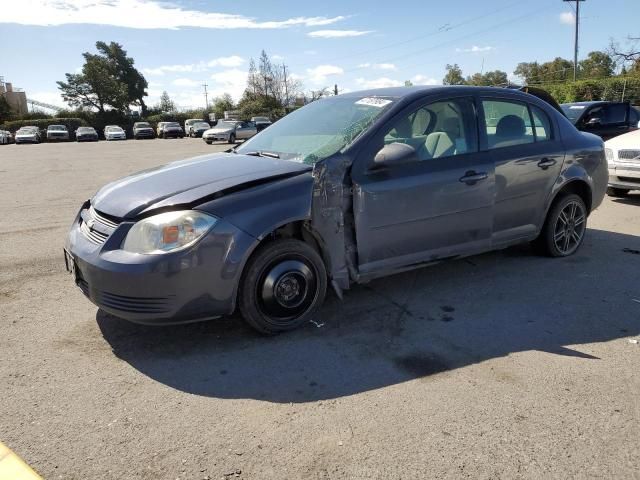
x=408, y=326
x=631, y=199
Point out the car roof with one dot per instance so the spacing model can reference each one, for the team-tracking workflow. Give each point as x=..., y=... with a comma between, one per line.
x=588, y=103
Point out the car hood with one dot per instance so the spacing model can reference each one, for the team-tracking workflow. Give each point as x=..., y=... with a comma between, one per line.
x=219, y=130
x=143, y=128
x=187, y=183
x=628, y=140
x=26, y=134
x=115, y=132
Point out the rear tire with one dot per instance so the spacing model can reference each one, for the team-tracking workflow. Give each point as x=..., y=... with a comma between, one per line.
x=283, y=285
x=564, y=228
x=617, y=192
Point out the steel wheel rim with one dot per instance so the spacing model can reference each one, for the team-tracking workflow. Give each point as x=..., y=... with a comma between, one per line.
x=570, y=227
x=286, y=289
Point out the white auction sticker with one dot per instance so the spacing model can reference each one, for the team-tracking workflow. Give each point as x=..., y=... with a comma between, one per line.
x=374, y=102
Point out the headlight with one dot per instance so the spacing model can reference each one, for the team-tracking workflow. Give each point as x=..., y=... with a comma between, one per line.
x=608, y=153
x=168, y=232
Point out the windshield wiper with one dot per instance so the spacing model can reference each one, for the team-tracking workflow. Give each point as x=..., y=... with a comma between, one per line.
x=262, y=153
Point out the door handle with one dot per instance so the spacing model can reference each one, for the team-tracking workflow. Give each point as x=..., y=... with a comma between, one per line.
x=546, y=163
x=471, y=177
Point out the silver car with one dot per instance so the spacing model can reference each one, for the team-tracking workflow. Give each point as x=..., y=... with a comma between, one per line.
x=56, y=133
x=28, y=135
x=114, y=132
x=623, y=158
x=230, y=131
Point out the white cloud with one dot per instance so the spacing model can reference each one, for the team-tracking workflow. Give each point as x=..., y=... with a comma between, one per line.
x=424, y=80
x=277, y=57
x=319, y=74
x=338, y=33
x=229, y=62
x=186, y=82
x=232, y=81
x=52, y=98
x=379, y=66
x=568, y=18
x=475, y=49
x=139, y=14
x=381, y=82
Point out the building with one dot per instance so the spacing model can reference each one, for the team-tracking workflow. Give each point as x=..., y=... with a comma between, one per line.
x=17, y=100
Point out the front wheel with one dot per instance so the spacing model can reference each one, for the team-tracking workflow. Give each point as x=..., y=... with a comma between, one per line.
x=232, y=138
x=283, y=285
x=617, y=192
x=564, y=228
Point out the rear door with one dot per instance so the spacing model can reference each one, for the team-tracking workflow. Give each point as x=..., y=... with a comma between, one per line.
x=437, y=207
x=526, y=150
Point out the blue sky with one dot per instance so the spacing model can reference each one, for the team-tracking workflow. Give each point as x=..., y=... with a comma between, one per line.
x=355, y=43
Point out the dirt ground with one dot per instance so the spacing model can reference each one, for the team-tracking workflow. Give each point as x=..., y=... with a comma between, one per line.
x=505, y=365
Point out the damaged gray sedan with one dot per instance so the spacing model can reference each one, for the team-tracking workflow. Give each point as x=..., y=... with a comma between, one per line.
x=341, y=191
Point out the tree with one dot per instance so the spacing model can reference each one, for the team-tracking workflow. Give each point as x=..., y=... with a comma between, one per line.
x=597, y=65
x=166, y=105
x=96, y=87
x=453, y=75
x=528, y=71
x=126, y=73
x=408, y=83
x=495, y=78
x=628, y=57
x=270, y=88
x=222, y=104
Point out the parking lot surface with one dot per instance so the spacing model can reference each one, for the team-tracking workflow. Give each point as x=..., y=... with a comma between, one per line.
x=504, y=365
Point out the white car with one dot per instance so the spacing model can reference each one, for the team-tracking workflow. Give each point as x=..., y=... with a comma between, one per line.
x=5, y=137
x=114, y=132
x=623, y=157
x=28, y=135
x=230, y=131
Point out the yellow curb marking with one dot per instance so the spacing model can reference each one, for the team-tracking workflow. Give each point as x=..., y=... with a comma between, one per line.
x=13, y=468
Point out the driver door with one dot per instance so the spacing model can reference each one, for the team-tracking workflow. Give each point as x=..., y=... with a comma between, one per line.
x=436, y=207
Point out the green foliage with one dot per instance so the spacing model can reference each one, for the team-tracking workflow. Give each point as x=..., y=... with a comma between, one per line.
x=108, y=80
x=596, y=65
x=125, y=72
x=222, y=104
x=488, y=79
x=166, y=105
x=179, y=117
x=601, y=89
x=453, y=75
x=557, y=70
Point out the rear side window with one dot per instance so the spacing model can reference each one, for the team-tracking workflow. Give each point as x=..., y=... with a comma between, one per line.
x=541, y=124
x=616, y=113
x=507, y=123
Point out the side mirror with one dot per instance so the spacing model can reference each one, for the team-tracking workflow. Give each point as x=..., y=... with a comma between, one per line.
x=594, y=122
x=395, y=154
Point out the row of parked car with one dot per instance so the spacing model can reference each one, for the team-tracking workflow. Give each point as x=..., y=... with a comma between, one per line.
x=224, y=130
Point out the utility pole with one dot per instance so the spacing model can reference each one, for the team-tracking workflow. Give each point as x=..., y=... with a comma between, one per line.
x=335, y=89
x=575, y=46
x=206, y=96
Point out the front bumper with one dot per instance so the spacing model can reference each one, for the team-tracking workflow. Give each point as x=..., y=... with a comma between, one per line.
x=87, y=138
x=217, y=137
x=624, y=176
x=115, y=137
x=26, y=139
x=144, y=134
x=172, y=134
x=57, y=138
x=197, y=283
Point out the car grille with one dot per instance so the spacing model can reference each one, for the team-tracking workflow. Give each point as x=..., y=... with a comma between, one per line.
x=135, y=304
x=629, y=155
x=90, y=219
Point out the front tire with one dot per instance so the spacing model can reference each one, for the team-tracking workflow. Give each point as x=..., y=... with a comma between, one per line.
x=232, y=138
x=283, y=285
x=564, y=228
x=617, y=192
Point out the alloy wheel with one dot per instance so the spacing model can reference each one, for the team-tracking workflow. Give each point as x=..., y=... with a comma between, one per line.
x=569, y=228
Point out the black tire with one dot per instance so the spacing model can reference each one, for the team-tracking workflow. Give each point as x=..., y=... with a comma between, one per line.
x=617, y=192
x=232, y=138
x=564, y=228
x=282, y=286
x=208, y=142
